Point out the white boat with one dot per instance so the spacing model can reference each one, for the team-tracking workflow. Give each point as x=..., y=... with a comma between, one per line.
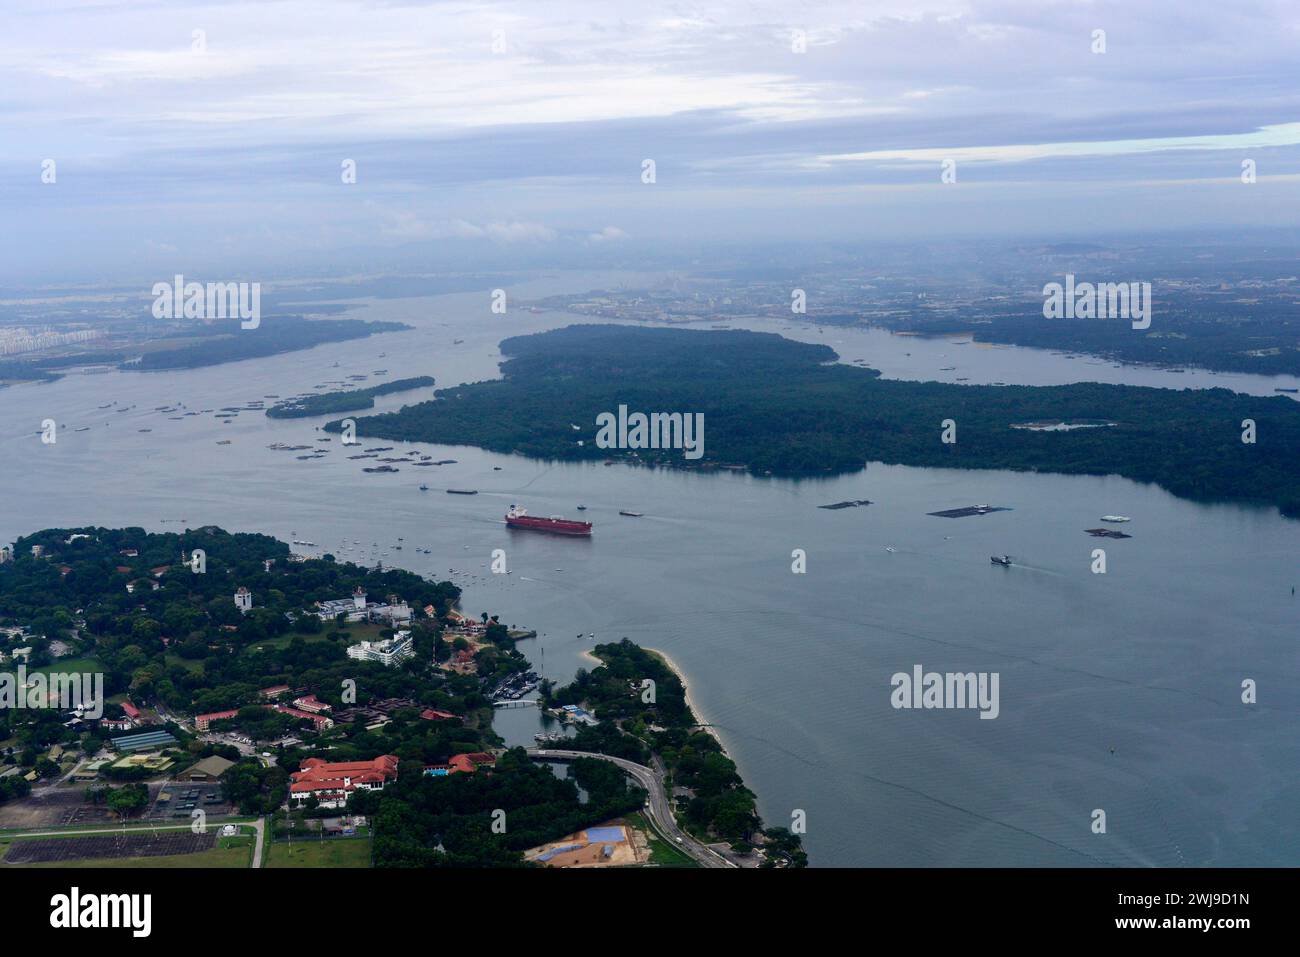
x=1004, y=560
x=1116, y=518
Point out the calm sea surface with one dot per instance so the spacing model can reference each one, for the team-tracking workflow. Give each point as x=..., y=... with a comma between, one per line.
x=1118, y=691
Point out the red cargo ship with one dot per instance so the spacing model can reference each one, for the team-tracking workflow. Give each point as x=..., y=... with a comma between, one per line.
x=519, y=518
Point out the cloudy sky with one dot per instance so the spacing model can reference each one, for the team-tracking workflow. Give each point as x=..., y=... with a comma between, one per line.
x=205, y=135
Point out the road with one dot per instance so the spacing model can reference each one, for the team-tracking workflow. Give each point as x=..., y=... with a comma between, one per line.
x=659, y=810
x=260, y=828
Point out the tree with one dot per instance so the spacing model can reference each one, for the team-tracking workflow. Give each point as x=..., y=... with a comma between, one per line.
x=128, y=799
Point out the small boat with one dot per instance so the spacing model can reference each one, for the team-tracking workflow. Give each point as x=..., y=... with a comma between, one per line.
x=462, y=491
x=1004, y=560
x=582, y=508
x=423, y=487
x=223, y=442
x=630, y=514
x=891, y=549
x=1116, y=518
x=1281, y=389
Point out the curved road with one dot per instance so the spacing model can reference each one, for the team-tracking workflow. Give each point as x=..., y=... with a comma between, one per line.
x=659, y=810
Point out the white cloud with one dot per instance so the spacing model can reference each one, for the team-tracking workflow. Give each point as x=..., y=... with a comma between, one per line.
x=607, y=235
x=405, y=226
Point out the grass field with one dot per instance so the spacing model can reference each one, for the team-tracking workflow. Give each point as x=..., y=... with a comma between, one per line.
x=662, y=853
x=173, y=660
x=229, y=852
x=280, y=642
x=332, y=852
x=69, y=666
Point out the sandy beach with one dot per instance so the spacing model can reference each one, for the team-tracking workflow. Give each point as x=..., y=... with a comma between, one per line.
x=681, y=675
x=690, y=702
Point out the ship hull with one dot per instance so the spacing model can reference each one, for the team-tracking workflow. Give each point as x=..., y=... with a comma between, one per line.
x=547, y=525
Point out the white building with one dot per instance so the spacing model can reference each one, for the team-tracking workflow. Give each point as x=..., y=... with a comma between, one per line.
x=6, y=555
x=355, y=608
x=244, y=600
x=396, y=612
x=389, y=652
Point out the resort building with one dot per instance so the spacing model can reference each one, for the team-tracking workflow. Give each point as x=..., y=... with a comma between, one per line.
x=389, y=652
x=462, y=764
x=244, y=600
x=203, y=721
x=332, y=783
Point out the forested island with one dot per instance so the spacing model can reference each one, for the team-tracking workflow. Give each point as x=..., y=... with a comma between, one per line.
x=225, y=341
x=199, y=345
x=777, y=406
x=344, y=400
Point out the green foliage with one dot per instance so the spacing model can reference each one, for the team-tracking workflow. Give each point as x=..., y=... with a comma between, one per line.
x=255, y=789
x=780, y=406
x=350, y=400
x=447, y=821
x=127, y=800
x=631, y=727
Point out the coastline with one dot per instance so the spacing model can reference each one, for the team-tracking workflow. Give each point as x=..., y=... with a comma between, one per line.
x=686, y=686
x=690, y=701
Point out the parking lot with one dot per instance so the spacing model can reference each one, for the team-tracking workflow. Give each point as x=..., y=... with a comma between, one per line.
x=180, y=799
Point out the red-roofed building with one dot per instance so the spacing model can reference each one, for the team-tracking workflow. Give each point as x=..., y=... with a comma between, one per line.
x=202, y=721
x=321, y=721
x=159, y=571
x=313, y=704
x=332, y=783
x=131, y=710
x=472, y=761
x=461, y=764
x=431, y=714
x=270, y=694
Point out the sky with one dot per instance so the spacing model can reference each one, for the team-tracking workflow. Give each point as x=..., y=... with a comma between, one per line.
x=213, y=136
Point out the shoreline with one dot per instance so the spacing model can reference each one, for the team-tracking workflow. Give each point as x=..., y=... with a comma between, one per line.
x=676, y=669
